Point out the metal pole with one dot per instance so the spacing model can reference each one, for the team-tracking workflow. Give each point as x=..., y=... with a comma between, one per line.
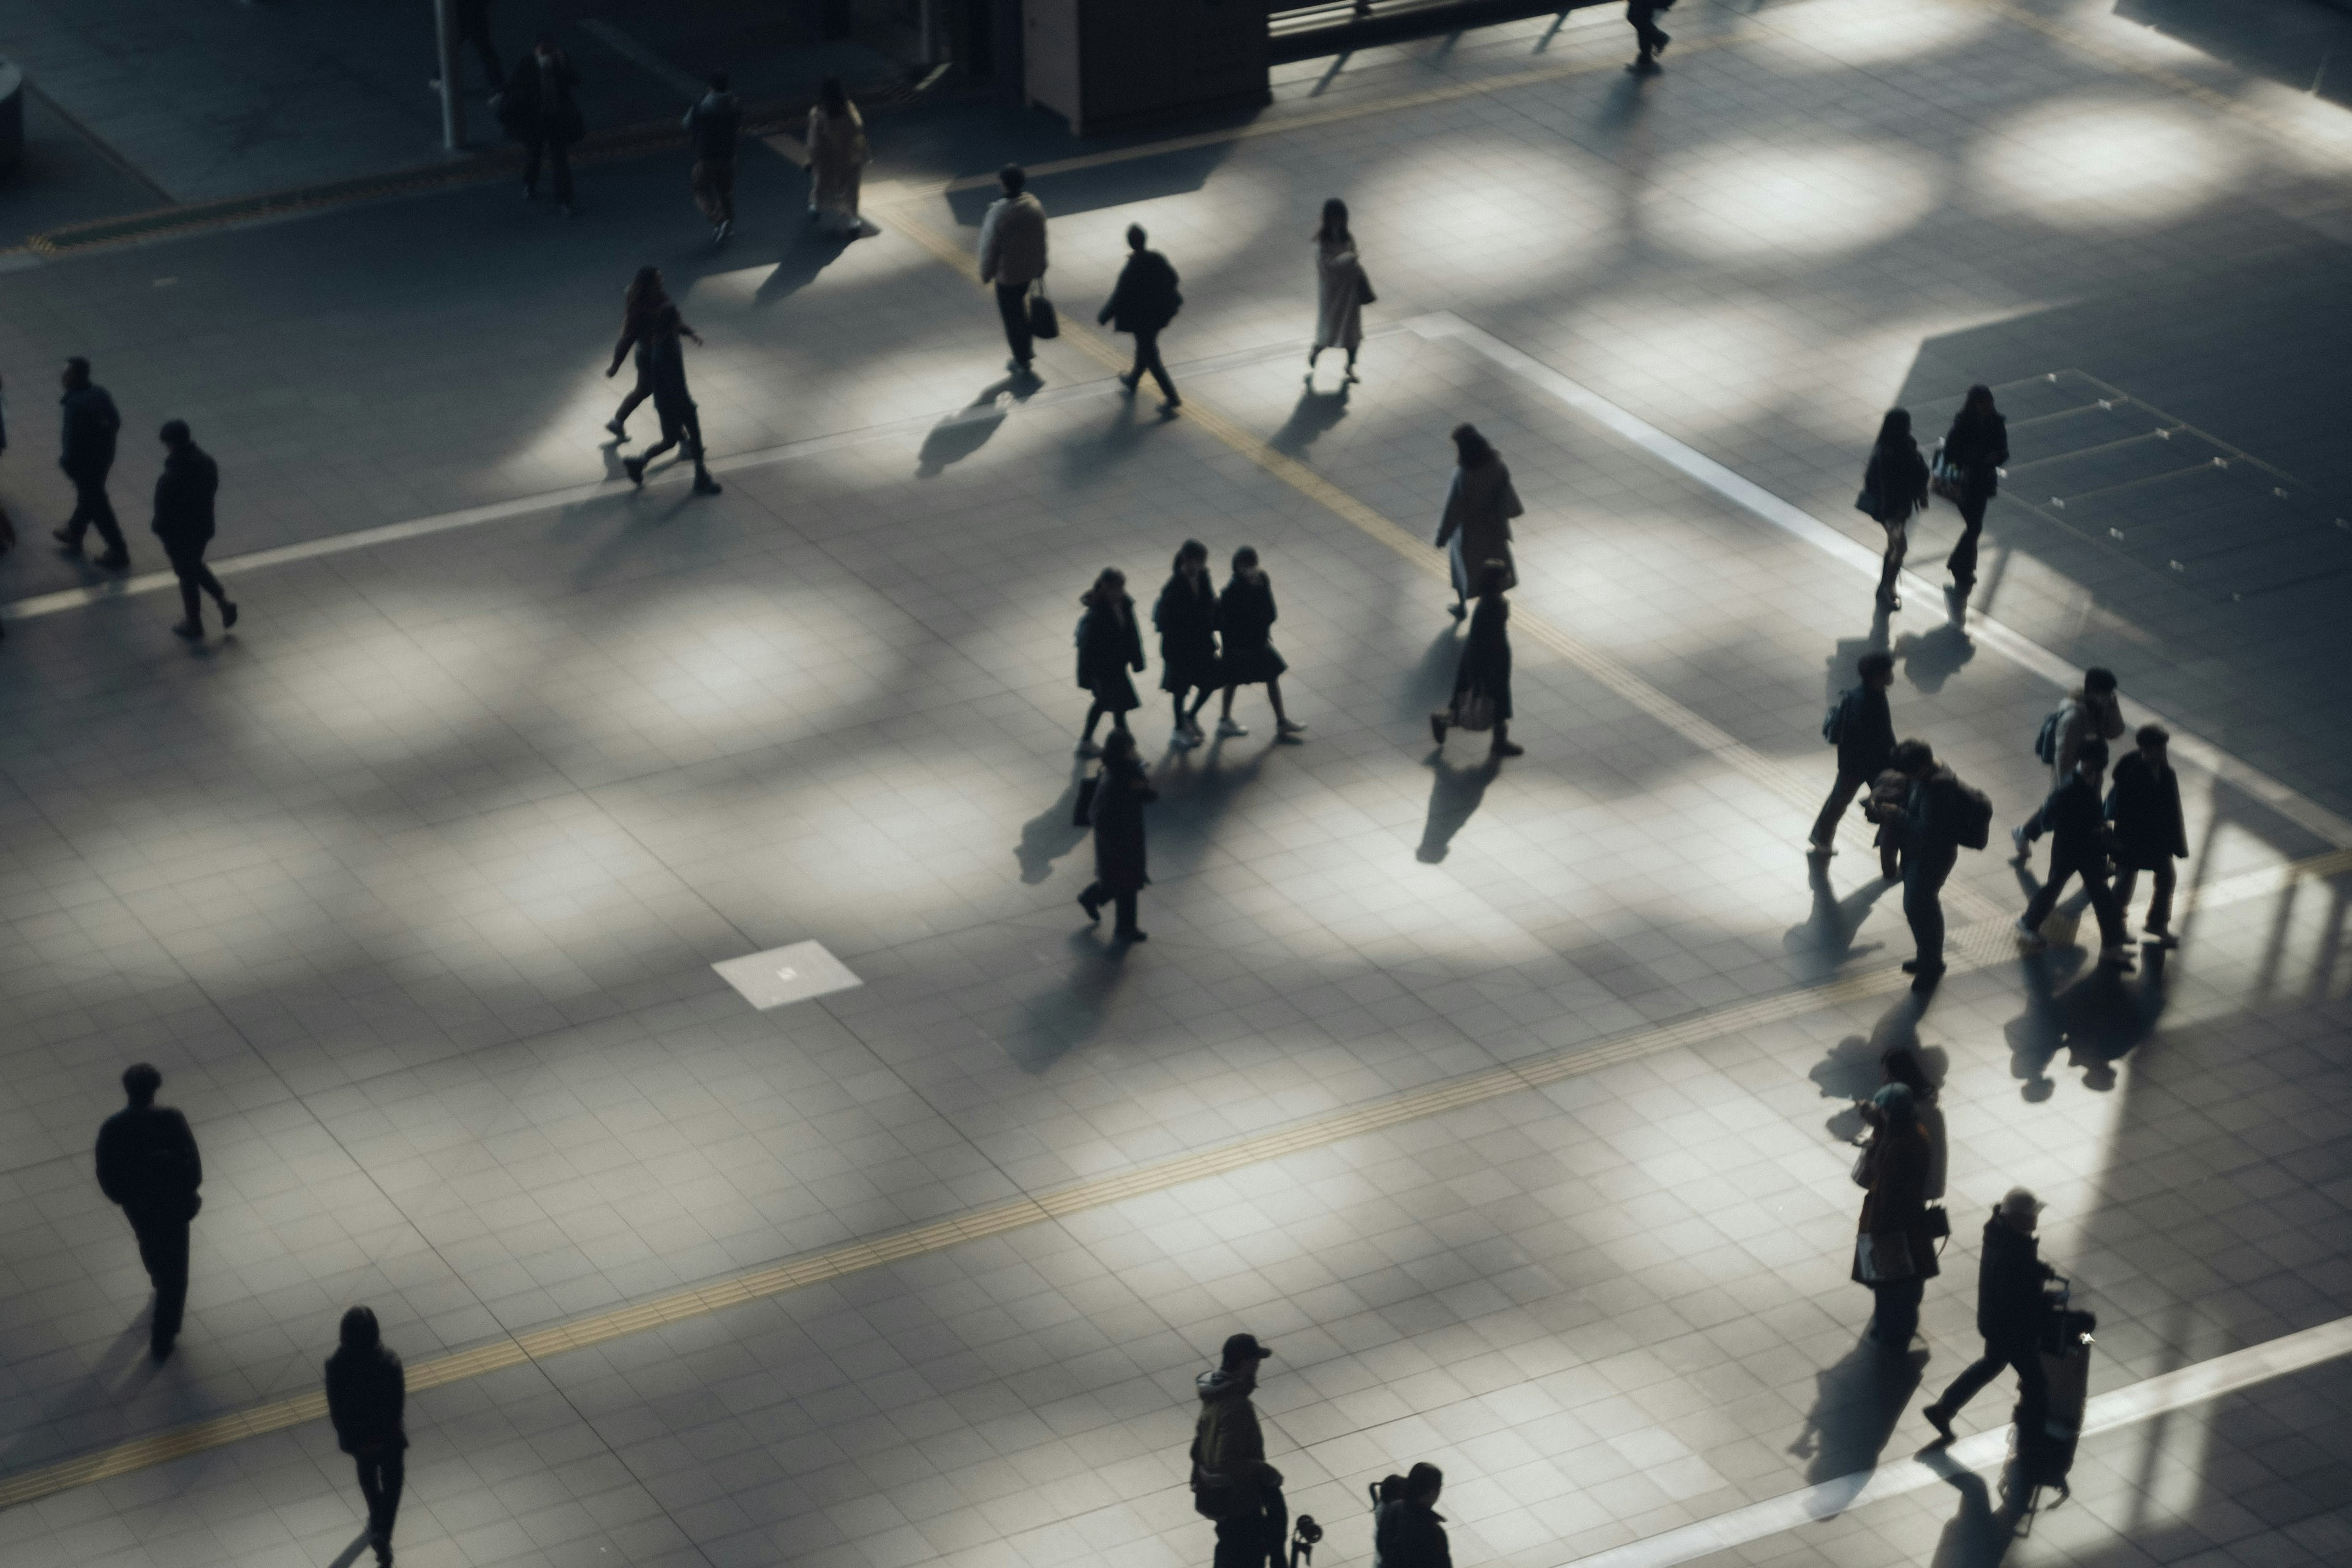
x=453, y=108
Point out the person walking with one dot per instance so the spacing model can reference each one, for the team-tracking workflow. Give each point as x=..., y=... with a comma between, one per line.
x=1901, y=1064
x=1186, y=617
x=1482, y=679
x=1969, y=476
x=1475, y=530
x=1894, y=486
x=2008, y=1315
x=540, y=109
x=470, y=23
x=646, y=296
x=1861, y=728
x=681, y=424
x=148, y=1163
x=1143, y=302
x=1232, y=1482
x=2078, y=828
x=367, y=1391
x=184, y=522
x=1929, y=825
x=1108, y=644
x=1407, y=1530
x=2093, y=710
x=711, y=126
x=1893, y=1253
x=1341, y=289
x=1649, y=38
x=90, y=423
x=8, y=524
x=1012, y=258
x=837, y=155
x=2144, y=814
x=1246, y=615
x=1121, y=791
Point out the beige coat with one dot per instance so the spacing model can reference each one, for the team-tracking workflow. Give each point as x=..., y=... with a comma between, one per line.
x=1012, y=241
x=837, y=159
x=1340, y=290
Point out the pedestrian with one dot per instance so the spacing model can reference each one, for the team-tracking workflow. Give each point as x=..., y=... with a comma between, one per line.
x=1968, y=475
x=710, y=126
x=90, y=423
x=184, y=522
x=469, y=21
x=1885, y=809
x=2093, y=710
x=1186, y=617
x=1894, y=486
x=1861, y=728
x=7, y=525
x=541, y=110
x=2079, y=840
x=1408, y=1531
x=1121, y=791
x=148, y=1163
x=1341, y=289
x=2144, y=814
x=1901, y=1064
x=1480, y=506
x=1012, y=258
x=367, y=1389
x=1932, y=823
x=646, y=296
x=1232, y=1482
x=681, y=425
x=1108, y=644
x=837, y=156
x=1651, y=38
x=1246, y=615
x=1894, y=1254
x=1482, y=677
x=2008, y=1315
x=1143, y=302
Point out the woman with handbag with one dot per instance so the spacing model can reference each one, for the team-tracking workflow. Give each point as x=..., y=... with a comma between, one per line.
x=1969, y=476
x=837, y=156
x=1186, y=617
x=1894, y=486
x=1480, y=506
x=1341, y=289
x=1482, y=681
x=1109, y=645
x=1120, y=793
x=1895, y=1253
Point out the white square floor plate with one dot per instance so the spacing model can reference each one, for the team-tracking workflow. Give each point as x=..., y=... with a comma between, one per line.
x=787, y=975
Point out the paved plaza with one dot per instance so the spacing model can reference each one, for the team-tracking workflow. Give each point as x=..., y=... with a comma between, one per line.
x=1509, y=1105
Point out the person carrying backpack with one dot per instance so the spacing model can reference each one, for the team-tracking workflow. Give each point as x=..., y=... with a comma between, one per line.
x=1862, y=730
x=1232, y=1482
x=1937, y=819
x=2093, y=710
x=2079, y=848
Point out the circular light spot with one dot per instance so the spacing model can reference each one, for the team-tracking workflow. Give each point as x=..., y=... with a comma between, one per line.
x=1755, y=198
x=2101, y=166
x=1480, y=214
x=1874, y=32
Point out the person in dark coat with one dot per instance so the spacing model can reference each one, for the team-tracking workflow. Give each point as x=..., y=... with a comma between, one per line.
x=2008, y=1315
x=1484, y=669
x=1186, y=616
x=1927, y=825
x=1246, y=614
x=367, y=1391
x=1408, y=1531
x=1974, y=449
x=2078, y=828
x=1648, y=39
x=1893, y=1253
x=681, y=424
x=147, y=1162
x=1475, y=529
x=1894, y=486
x=184, y=522
x=2144, y=816
x=1143, y=302
x=1863, y=733
x=470, y=21
x=90, y=423
x=1121, y=791
x=542, y=110
x=1109, y=645
x=640, y=306
x=710, y=126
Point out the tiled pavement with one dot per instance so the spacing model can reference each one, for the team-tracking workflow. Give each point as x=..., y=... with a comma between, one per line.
x=410, y=887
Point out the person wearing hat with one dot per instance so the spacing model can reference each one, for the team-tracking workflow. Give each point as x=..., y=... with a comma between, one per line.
x=2008, y=1316
x=1232, y=1482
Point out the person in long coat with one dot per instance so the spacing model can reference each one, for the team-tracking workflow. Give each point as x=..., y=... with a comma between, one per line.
x=1893, y=1236
x=1109, y=645
x=1186, y=617
x=1246, y=615
x=2144, y=810
x=1484, y=670
x=1894, y=486
x=837, y=155
x=681, y=423
x=542, y=110
x=184, y=522
x=1341, y=288
x=1121, y=791
x=1143, y=302
x=639, y=306
x=1974, y=449
x=367, y=1391
x=1480, y=506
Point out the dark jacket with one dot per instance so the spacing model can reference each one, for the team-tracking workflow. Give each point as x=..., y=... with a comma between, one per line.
x=540, y=104
x=2144, y=807
x=2009, y=1284
x=183, y=499
x=1146, y=298
x=90, y=423
x=1246, y=615
x=366, y=1390
x=1898, y=1201
x=1186, y=616
x=1109, y=645
x=1485, y=666
x=1897, y=478
x=1407, y=1535
x=711, y=125
x=1120, y=800
x=1226, y=1440
x=1976, y=448
x=666, y=371
x=1866, y=736
x=147, y=1161
x=1930, y=818
x=2078, y=826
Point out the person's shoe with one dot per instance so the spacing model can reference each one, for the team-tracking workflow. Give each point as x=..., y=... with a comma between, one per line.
x=1130, y=936
x=114, y=561
x=2159, y=937
x=192, y=630
x=704, y=485
x=636, y=468
x=620, y=431
x=1128, y=381
x=1660, y=47
x=1926, y=971
x=1437, y=727
x=1352, y=378
x=66, y=544
x=1089, y=748
x=1092, y=905
x=1288, y=730
x=2116, y=957
x=1891, y=601
x=1457, y=610
x=1227, y=730
x=158, y=1350
x=228, y=614
x=1507, y=749
x=1172, y=405
x=1017, y=366
x=1182, y=738
x=1941, y=1420
x=1816, y=850
x=1646, y=66
x=2024, y=845
x=2030, y=938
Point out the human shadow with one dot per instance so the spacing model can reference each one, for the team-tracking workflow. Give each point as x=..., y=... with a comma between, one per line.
x=1850, y=1071
x=1931, y=658
x=350, y=1554
x=111, y=1382
x=1824, y=939
x=1980, y=1535
x=1084, y=457
x=1430, y=683
x=1856, y=1405
x=1050, y=835
x=1455, y=793
x=1315, y=412
x=968, y=430
x=810, y=251
x=2098, y=1019
x=1839, y=674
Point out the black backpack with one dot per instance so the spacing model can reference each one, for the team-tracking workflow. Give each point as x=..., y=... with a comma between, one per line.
x=1974, y=828
x=2045, y=744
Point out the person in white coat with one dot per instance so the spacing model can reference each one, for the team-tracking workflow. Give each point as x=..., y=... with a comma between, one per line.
x=1341, y=289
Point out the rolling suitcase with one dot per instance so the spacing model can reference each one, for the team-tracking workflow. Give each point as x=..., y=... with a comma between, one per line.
x=2043, y=1459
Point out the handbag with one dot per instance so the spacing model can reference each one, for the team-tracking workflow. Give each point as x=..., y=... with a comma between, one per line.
x=1882, y=1257
x=1042, y=321
x=1364, y=280
x=1867, y=504
x=1865, y=1154
x=1939, y=1224
x=1084, y=814
x=1474, y=710
x=1943, y=478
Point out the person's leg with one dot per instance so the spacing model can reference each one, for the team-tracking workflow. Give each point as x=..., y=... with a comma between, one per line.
x=370, y=1473
x=1890, y=565
x=1132, y=377
x=1012, y=305
x=692, y=440
x=1094, y=717
x=1225, y=714
x=638, y=394
x=533, y=150
x=392, y=1471
x=1274, y=696
x=1923, y=908
x=1897, y=1319
x=2046, y=898
x=698, y=181
x=163, y=1248
x=1971, y=1381
x=1833, y=812
x=723, y=179
x=2112, y=932
x=101, y=518
x=1119, y=720
x=1351, y=364
x=1962, y=562
x=192, y=602
x=1091, y=900
x=1150, y=358
x=1124, y=924
x=2159, y=904
x=2126, y=882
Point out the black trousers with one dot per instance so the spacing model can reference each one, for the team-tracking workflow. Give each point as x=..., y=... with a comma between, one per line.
x=639, y=393
x=1124, y=923
x=92, y=509
x=1963, y=559
x=1013, y=304
x=476, y=32
x=559, y=158
x=163, y=1248
x=1146, y=359
x=713, y=182
x=2032, y=1383
x=197, y=579
x=1849, y=783
x=683, y=430
x=1923, y=901
x=380, y=1479
x=2095, y=883
x=1643, y=15
x=2159, y=904
x=1257, y=1540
